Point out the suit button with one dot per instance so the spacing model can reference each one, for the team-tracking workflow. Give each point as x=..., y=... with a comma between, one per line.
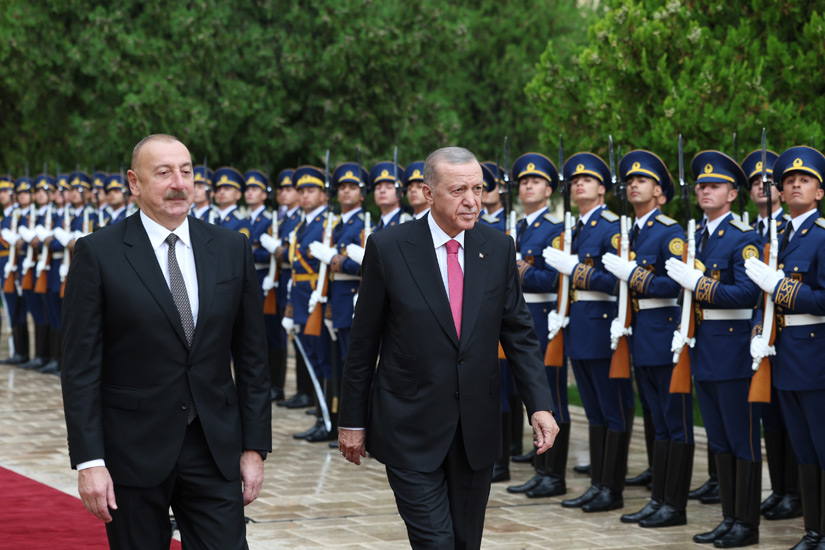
x=184, y=406
x=460, y=360
x=456, y=395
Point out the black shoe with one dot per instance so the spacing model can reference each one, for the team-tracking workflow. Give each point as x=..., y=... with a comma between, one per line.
x=586, y=497
x=524, y=487
x=741, y=534
x=712, y=496
x=705, y=488
x=640, y=480
x=525, y=458
x=548, y=486
x=323, y=434
x=607, y=499
x=276, y=394
x=299, y=401
x=649, y=509
x=500, y=473
x=52, y=367
x=15, y=359
x=789, y=506
x=718, y=532
x=34, y=364
x=333, y=444
x=770, y=502
x=811, y=541
x=311, y=412
x=583, y=469
x=319, y=424
x=516, y=449
x=666, y=516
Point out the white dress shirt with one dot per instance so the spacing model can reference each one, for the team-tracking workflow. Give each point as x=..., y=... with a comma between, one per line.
x=440, y=242
x=797, y=222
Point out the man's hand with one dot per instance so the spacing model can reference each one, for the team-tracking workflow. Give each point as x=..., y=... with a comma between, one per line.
x=679, y=271
x=289, y=325
x=545, y=430
x=559, y=260
x=679, y=341
x=252, y=475
x=97, y=491
x=352, y=444
x=622, y=269
x=617, y=330
x=555, y=323
x=761, y=348
x=760, y=273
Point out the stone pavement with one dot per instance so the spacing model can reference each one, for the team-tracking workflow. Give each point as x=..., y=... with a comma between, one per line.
x=312, y=498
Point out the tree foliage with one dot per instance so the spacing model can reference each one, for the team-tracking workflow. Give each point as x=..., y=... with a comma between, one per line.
x=256, y=81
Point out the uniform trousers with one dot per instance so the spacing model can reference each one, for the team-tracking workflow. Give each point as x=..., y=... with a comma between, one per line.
x=804, y=412
x=672, y=413
x=732, y=424
x=607, y=402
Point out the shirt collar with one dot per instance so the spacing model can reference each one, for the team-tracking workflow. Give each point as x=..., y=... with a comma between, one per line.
x=388, y=217
x=346, y=217
x=585, y=218
x=532, y=217
x=421, y=214
x=254, y=213
x=158, y=234
x=775, y=215
x=292, y=210
x=711, y=226
x=439, y=237
x=311, y=216
x=116, y=213
x=800, y=219
x=225, y=212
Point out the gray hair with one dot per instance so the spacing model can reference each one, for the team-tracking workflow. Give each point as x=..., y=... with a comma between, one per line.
x=446, y=155
x=154, y=137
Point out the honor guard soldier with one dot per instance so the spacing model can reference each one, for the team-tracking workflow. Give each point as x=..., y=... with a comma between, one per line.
x=655, y=315
x=25, y=223
x=784, y=501
x=99, y=199
x=7, y=205
x=387, y=192
x=309, y=181
x=720, y=362
x=413, y=183
x=116, y=195
x=229, y=187
x=537, y=179
x=202, y=207
x=492, y=212
x=16, y=311
x=349, y=185
x=608, y=403
x=798, y=291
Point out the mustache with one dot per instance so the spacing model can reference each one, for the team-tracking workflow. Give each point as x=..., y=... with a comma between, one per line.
x=174, y=195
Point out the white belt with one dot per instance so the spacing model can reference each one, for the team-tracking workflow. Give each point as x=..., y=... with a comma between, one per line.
x=802, y=319
x=57, y=255
x=345, y=277
x=286, y=266
x=655, y=303
x=540, y=297
x=727, y=314
x=260, y=265
x=593, y=296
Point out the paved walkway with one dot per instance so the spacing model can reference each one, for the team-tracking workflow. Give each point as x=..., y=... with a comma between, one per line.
x=312, y=498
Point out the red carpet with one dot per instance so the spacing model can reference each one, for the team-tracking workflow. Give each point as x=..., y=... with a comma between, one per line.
x=35, y=516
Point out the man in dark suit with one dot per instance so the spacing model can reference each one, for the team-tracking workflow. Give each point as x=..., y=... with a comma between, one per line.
x=155, y=310
x=437, y=295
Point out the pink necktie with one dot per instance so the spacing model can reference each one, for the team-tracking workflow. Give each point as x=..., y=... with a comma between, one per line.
x=455, y=278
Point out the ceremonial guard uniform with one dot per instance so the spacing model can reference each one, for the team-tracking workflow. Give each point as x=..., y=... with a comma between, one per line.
x=231, y=217
x=44, y=186
x=383, y=173
x=209, y=212
x=721, y=366
x=608, y=403
x=495, y=219
x=6, y=186
x=798, y=291
x=115, y=182
x=27, y=261
x=11, y=289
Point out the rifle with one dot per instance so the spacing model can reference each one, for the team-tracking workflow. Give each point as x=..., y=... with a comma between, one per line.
x=680, y=379
x=44, y=265
x=620, y=362
x=397, y=183
x=760, y=390
x=67, y=257
x=506, y=183
x=10, y=284
x=743, y=211
x=554, y=356
x=367, y=215
x=319, y=293
x=270, y=300
x=27, y=282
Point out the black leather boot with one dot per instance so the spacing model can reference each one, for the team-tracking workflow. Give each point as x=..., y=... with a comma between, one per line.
x=596, y=439
x=501, y=469
x=645, y=478
x=277, y=387
x=529, y=456
x=775, y=457
x=53, y=366
x=555, y=464
x=726, y=479
x=710, y=487
x=745, y=530
x=517, y=427
x=583, y=469
x=660, y=456
x=679, y=469
x=322, y=433
x=20, y=335
x=40, y=347
x=614, y=471
x=790, y=505
x=811, y=496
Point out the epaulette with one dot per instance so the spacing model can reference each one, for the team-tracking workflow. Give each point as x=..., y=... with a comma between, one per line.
x=404, y=218
x=552, y=219
x=238, y=215
x=661, y=218
x=787, y=217
x=267, y=214
x=360, y=216
x=820, y=222
x=608, y=215
x=489, y=218
x=741, y=226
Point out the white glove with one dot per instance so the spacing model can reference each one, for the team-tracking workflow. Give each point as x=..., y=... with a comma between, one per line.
x=268, y=284
x=27, y=264
x=78, y=234
x=682, y=274
x=314, y=300
x=8, y=270
x=289, y=325
x=555, y=323
x=270, y=243
x=760, y=349
x=321, y=251
x=518, y=256
x=42, y=233
x=619, y=267
x=562, y=262
x=680, y=342
x=26, y=234
x=332, y=334
x=64, y=270
x=760, y=273
x=41, y=264
x=356, y=253
x=62, y=236
x=9, y=236
x=617, y=330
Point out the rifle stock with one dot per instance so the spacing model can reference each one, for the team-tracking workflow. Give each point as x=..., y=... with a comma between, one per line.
x=554, y=356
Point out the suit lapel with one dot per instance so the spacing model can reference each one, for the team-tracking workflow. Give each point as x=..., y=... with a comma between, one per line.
x=476, y=267
x=206, y=267
x=142, y=258
x=797, y=237
x=419, y=253
x=714, y=238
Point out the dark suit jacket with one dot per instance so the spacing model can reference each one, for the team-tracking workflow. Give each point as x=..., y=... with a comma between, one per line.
x=127, y=370
x=426, y=380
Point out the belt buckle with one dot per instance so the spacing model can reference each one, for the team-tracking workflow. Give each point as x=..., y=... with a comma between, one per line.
x=780, y=321
x=574, y=295
x=635, y=303
x=700, y=313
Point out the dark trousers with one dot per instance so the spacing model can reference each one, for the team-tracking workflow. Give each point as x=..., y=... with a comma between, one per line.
x=444, y=509
x=607, y=401
x=672, y=413
x=804, y=411
x=208, y=508
x=731, y=422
